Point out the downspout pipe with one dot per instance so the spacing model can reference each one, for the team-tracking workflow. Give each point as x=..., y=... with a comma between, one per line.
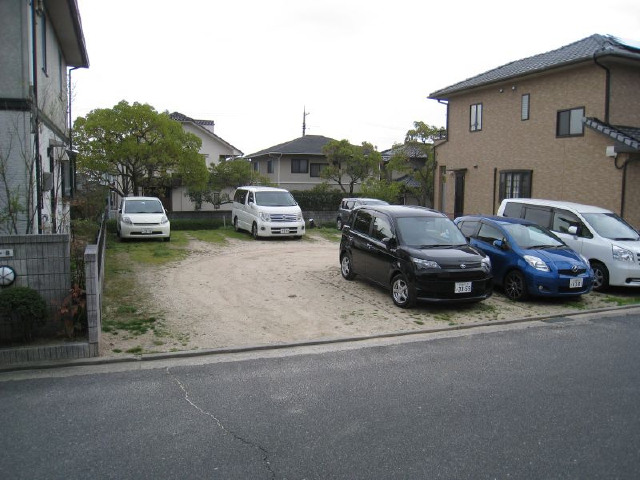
x=72, y=157
x=607, y=87
x=35, y=116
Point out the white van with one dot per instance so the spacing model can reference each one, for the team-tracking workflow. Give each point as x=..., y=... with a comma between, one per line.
x=267, y=212
x=611, y=244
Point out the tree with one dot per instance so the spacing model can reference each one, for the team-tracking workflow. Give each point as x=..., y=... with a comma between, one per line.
x=382, y=189
x=227, y=174
x=416, y=158
x=349, y=164
x=137, y=150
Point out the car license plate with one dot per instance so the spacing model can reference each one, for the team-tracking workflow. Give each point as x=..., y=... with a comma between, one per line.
x=284, y=230
x=463, y=287
x=146, y=231
x=575, y=283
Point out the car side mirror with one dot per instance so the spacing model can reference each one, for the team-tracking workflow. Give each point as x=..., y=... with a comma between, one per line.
x=390, y=242
x=501, y=244
x=572, y=230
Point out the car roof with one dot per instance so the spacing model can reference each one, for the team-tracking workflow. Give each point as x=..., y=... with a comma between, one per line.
x=403, y=210
x=363, y=199
x=579, y=207
x=263, y=189
x=496, y=219
x=140, y=198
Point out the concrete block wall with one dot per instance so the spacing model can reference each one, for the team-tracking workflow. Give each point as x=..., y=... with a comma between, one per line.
x=41, y=262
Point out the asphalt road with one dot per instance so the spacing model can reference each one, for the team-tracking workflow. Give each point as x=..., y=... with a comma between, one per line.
x=554, y=399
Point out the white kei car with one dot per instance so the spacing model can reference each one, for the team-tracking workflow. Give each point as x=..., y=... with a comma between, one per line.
x=142, y=217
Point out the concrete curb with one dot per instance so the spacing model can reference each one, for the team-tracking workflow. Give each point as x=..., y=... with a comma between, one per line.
x=282, y=346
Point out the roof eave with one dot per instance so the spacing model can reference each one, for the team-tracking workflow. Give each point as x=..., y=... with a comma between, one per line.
x=65, y=18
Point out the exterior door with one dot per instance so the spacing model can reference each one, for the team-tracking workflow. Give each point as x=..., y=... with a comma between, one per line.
x=458, y=202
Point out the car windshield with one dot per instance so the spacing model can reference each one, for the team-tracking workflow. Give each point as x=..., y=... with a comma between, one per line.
x=275, y=199
x=611, y=226
x=425, y=232
x=532, y=236
x=143, y=206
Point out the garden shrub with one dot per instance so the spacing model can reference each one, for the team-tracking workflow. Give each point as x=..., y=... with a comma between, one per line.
x=310, y=200
x=25, y=308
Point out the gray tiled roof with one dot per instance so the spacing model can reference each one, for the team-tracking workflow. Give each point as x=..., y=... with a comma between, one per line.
x=581, y=51
x=183, y=118
x=306, y=145
x=627, y=136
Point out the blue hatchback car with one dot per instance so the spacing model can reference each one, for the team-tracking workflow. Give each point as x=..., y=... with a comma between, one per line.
x=527, y=259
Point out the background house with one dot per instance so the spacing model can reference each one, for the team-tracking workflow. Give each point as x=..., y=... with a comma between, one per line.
x=294, y=165
x=214, y=149
x=417, y=160
x=561, y=125
x=39, y=41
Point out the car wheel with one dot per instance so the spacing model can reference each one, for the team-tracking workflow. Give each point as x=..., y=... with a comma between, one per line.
x=254, y=231
x=515, y=286
x=167, y=239
x=345, y=267
x=600, y=276
x=402, y=292
x=339, y=224
x=235, y=224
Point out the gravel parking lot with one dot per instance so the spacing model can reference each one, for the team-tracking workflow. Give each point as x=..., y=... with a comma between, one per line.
x=265, y=292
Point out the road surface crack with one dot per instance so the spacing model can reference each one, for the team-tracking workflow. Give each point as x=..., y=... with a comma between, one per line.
x=261, y=450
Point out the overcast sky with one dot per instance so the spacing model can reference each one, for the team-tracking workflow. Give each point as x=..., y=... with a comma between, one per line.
x=362, y=68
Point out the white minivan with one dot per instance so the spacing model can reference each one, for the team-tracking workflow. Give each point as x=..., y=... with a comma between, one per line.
x=267, y=212
x=610, y=244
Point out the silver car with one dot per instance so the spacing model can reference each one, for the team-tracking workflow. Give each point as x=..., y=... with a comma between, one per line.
x=142, y=217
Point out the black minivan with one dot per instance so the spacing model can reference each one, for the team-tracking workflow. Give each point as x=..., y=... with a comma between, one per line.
x=416, y=252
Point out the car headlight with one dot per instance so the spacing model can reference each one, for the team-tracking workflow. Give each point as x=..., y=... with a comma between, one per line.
x=536, y=263
x=164, y=220
x=486, y=264
x=421, y=264
x=585, y=260
x=127, y=220
x=622, y=254
x=265, y=217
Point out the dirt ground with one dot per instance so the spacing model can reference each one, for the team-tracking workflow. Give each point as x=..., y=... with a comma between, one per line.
x=249, y=293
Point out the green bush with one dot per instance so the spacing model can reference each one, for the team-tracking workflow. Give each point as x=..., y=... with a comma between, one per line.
x=196, y=224
x=25, y=308
x=311, y=200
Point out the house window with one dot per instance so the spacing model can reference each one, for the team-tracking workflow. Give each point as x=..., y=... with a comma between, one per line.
x=316, y=169
x=256, y=166
x=475, y=123
x=524, y=110
x=570, y=122
x=299, y=165
x=269, y=166
x=515, y=184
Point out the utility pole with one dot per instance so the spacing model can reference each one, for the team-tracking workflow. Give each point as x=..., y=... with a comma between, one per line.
x=304, y=120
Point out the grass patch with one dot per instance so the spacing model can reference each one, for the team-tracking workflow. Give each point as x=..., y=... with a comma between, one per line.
x=135, y=350
x=621, y=301
x=150, y=251
x=135, y=326
x=329, y=233
x=220, y=236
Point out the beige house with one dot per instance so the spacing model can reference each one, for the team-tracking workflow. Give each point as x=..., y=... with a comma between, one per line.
x=294, y=165
x=562, y=125
x=214, y=149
